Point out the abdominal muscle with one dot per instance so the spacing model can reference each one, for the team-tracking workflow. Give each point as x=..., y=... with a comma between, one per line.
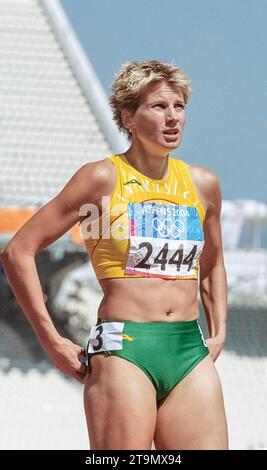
x=149, y=299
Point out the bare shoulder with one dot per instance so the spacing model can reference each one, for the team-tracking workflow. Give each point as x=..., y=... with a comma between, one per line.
x=90, y=182
x=99, y=174
x=203, y=177
x=207, y=185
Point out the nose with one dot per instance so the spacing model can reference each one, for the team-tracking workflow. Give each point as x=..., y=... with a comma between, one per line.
x=172, y=114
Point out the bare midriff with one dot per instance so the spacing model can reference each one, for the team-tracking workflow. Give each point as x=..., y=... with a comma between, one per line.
x=149, y=299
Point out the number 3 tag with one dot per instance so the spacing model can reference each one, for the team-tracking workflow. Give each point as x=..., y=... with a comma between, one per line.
x=106, y=336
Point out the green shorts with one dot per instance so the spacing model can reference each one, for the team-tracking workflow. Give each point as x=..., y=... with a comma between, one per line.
x=165, y=351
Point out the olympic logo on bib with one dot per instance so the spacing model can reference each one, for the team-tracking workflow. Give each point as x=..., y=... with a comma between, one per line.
x=168, y=227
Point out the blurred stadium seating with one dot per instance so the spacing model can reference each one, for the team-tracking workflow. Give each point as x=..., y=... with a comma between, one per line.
x=54, y=118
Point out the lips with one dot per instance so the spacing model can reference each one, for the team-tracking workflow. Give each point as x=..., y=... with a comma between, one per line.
x=171, y=132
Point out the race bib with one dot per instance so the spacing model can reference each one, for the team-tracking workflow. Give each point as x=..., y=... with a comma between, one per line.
x=165, y=240
x=106, y=336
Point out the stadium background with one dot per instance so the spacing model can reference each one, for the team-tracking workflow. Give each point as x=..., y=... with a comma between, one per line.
x=54, y=118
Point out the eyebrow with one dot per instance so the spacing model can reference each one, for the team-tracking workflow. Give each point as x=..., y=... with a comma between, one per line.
x=162, y=100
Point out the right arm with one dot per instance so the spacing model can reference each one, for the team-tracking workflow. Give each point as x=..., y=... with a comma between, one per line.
x=49, y=223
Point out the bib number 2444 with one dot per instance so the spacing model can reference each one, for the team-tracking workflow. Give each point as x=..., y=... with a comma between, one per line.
x=179, y=258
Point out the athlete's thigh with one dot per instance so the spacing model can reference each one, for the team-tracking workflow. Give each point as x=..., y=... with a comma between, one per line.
x=193, y=416
x=120, y=405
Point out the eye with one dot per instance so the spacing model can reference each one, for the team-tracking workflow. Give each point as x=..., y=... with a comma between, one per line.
x=160, y=105
x=180, y=106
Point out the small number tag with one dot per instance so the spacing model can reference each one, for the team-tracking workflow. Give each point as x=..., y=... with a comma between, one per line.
x=105, y=337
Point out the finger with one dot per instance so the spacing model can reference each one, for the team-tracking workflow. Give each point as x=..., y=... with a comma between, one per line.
x=82, y=356
x=84, y=378
x=79, y=377
x=82, y=369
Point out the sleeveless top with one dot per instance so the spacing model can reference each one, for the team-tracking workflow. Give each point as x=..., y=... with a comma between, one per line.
x=150, y=227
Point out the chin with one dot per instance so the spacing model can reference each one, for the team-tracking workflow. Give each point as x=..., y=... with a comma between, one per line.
x=171, y=145
x=164, y=147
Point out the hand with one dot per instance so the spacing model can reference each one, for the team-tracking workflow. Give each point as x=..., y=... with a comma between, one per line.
x=65, y=355
x=215, y=346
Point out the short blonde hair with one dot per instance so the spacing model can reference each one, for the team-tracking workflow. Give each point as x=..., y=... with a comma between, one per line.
x=134, y=76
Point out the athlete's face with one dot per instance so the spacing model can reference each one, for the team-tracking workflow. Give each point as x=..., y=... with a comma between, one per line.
x=159, y=120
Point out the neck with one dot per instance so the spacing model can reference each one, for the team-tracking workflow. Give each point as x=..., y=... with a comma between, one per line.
x=149, y=164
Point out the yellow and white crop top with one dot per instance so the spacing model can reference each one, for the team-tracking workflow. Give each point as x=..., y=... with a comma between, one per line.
x=150, y=228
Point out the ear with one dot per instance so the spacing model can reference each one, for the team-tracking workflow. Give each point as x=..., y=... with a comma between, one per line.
x=126, y=117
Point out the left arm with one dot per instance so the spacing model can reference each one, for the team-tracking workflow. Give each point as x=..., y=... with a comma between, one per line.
x=213, y=283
